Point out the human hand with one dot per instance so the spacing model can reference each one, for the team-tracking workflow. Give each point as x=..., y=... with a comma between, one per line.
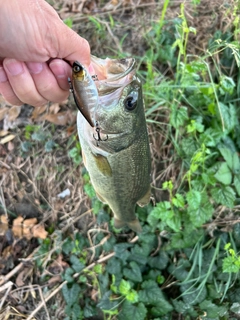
x=33, y=43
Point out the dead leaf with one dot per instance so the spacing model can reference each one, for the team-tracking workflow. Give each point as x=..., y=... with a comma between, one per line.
x=54, y=108
x=3, y=113
x=13, y=113
x=17, y=227
x=39, y=232
x=60, y=118
x=3, y=224
x=38, y=111
x=3, y=133
x=7, y=138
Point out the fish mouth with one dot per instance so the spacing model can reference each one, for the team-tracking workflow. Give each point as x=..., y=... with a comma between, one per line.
x=114, y=73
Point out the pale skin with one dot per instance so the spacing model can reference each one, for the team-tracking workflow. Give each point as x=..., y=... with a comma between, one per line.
x=36, y=53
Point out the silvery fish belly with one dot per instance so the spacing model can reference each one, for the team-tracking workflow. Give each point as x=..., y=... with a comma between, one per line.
x=113, y=136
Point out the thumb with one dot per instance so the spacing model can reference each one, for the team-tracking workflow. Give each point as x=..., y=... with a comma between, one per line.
x=72, y=47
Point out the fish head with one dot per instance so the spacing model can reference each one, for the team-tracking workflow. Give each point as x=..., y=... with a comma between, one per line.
x=119, y=116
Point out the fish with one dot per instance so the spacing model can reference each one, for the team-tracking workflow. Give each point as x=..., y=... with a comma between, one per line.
x=113, y=135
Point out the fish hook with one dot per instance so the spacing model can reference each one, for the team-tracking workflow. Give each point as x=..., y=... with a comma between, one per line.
x=98, y=138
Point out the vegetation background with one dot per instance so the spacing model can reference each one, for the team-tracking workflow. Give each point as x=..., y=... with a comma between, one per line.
x=60, y=256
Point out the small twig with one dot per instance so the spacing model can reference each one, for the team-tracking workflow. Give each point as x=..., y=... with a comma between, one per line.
x=7, y=286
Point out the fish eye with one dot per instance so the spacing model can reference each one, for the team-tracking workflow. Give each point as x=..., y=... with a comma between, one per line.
x=130, y=102
x=76, y=68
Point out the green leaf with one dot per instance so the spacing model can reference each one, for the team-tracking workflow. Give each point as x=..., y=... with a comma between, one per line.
x=76, y=264
x=194, y=199
x=134, y=273
x=121, y=251
x=71, y=294
x=228, y=116
x=212, y=310
x=114, y=266
x=178, y=201
x=224, y=195
x=229, y=265
x=160, y=212
x=130, y=311
x=178, y=116
x=106, y=303
x=202, y=213
x=132, y=296
x=224, y=174
x=124, y=287
x=150, y=293
x=228, y=156
x=236, y=182
x=68, y=275
x=162, y=308
x=50, y=145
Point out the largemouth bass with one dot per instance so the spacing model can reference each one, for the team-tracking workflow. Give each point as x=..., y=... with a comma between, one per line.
x=113, y=135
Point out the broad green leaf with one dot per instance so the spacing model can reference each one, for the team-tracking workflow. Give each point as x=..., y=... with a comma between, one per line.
x=124, y=287
x=236, y=182
x=235, y=308
x=71, y=294
x=194, y=199
x=229, y=265
x=106, y=303
x=150, y=293
x=121, y=251
x=68, y=275
x=162, y=308
x=228, y=116
x=224, y=174
x=114, y=266
x=184, y=308
x=224, y=195
x=202, y=213
x=159, y=262
x=139, y=253
x=132, y=296
x=178, y=201
x=134, y=273
x=130, y=311
x=213, y=310
x=76, y=264
x=189, y=146
x=228, y=156
x=236, y=163
x=178, y=116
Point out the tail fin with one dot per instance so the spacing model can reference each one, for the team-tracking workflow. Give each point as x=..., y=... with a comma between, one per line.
x=134, y=224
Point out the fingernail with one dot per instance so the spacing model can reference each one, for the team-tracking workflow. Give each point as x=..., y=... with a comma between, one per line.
x=3, y=76
x=14, y=67
x=35, y=67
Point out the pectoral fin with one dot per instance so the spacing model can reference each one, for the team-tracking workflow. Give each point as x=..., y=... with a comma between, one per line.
x=145, y=199
x=103, y=165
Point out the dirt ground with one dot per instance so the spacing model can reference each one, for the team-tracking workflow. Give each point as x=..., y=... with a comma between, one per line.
x=32, y=179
